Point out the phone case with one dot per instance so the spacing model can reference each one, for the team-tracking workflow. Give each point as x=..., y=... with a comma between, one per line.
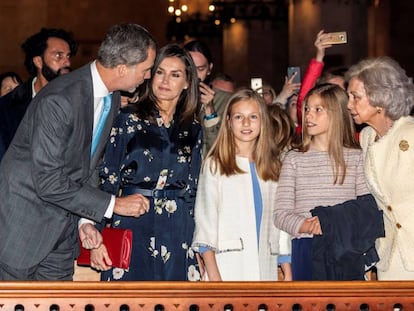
x=291, y=71
x=256, y=84
x=338, y=37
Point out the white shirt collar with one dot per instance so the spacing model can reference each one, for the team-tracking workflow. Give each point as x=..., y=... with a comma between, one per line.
x=99, y=88
x=33, y=88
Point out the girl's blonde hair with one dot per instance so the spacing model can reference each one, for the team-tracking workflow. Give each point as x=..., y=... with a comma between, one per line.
x=341, y=130
x=223, y=152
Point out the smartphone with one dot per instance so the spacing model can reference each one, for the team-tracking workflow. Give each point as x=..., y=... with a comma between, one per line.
x=291, y=71
x=256, y=84
x=337, y=37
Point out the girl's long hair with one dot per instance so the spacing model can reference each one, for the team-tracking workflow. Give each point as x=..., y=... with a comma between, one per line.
x=224, y=150
x=283, y=136
x=341, y=130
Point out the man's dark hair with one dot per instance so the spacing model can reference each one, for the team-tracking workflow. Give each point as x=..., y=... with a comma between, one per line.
x=14, y=75
x=222, y=77
x=201, y=47
x=36, y=45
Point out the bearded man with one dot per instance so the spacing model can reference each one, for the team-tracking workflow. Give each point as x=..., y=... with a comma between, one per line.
x=47, y=56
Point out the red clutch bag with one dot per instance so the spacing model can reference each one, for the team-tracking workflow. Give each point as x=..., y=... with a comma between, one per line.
x=118, y=242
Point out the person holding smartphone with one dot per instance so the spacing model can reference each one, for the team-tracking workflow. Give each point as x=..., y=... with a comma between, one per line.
x=290, y=88
x=212, y=100
x=314, y=71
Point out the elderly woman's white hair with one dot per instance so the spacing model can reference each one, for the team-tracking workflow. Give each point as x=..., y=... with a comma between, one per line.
x=386, y=84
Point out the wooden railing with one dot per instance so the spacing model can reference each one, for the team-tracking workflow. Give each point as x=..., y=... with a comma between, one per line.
x=178, y=296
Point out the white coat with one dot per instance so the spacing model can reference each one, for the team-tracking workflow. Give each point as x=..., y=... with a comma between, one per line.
x=226, y=222
x=389, y=169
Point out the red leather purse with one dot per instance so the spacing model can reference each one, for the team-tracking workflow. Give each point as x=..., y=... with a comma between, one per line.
x=118, y=242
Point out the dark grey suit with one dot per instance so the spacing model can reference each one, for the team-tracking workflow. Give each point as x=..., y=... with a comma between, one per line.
x=47, y=177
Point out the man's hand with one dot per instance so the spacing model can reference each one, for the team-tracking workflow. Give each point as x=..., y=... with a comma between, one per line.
x=133, y=205
x=90, y=236
x=206, y=98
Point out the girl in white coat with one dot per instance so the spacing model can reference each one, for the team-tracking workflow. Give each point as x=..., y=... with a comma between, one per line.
x=234, y=231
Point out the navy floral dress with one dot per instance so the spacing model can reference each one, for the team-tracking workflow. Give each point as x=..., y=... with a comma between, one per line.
x=143, y=154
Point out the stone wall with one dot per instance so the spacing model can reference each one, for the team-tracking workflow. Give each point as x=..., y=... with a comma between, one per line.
x=267, y=47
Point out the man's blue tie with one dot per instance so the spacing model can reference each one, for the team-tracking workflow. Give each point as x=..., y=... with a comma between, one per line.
x=101, y=122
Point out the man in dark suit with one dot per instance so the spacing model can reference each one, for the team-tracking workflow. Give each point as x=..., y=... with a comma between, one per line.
x=47, y=56
x=48, y=177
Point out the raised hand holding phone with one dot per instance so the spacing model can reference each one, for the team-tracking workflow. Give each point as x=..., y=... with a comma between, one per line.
x=291, y=86
x=294, y=74
x=206, y=97
x=256, y=84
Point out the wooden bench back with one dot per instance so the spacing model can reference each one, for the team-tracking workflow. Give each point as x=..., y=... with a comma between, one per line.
x=180, y=296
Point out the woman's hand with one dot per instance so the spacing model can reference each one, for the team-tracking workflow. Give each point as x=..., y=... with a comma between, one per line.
x=89, y=236
x=321, y=44
x=311, y=226
x=100, y=259
x=287, y=271
x=211, y=267
x=289, y=88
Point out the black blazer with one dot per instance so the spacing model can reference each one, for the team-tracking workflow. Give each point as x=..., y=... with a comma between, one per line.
x=347, y=244
x=47, y=177
x=12, y=109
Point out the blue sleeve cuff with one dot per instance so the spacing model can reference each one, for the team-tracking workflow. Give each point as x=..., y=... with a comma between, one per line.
x=203, y=249
x=284, y=259
x=211, y=116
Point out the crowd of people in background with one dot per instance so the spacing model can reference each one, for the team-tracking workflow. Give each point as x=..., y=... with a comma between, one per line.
x=216, y=181
x=9, y=81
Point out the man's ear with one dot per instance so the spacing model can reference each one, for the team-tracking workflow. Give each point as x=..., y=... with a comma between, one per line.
x=122, y=70
x=210, y=68
x=38, y=62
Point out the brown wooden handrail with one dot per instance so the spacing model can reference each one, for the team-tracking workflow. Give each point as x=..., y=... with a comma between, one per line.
x=179, y=296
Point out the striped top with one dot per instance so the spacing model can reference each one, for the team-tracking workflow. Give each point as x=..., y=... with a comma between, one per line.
x=307, y=181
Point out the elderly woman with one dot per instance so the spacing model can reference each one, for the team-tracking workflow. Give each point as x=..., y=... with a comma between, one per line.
x=382, y=96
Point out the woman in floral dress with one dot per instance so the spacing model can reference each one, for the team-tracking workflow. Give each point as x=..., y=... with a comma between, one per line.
x=155, y=150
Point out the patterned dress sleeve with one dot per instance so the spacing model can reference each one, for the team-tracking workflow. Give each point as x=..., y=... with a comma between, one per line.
x=115, y=152
x=195, y=165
